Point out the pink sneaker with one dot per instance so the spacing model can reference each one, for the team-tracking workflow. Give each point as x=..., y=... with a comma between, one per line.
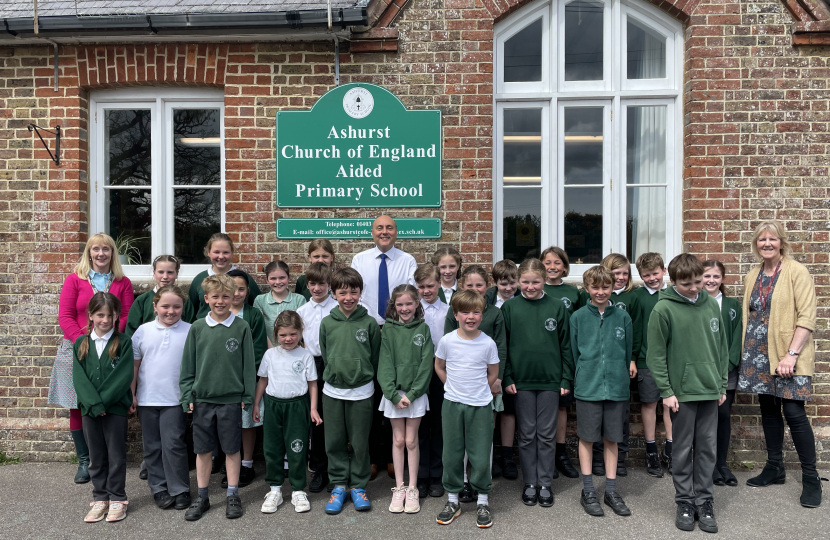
x=413, y=505
x=398, y=498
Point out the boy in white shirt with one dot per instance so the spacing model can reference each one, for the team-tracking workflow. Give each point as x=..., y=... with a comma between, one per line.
x=318, y=278
x=467, y=362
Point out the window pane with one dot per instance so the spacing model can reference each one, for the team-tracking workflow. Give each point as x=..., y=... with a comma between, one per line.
x=523, y=54
x=522, y=147
x=646, y=145
x=583, y=225
x=583, y=145
x=522, y=223
x=583, y=41
x=646, y=52
x=645, y=221
x=196, y=151
x=127, y=141
x=129, y=223
x=196, y=218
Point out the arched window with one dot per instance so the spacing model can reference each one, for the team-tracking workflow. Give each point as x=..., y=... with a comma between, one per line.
x=587, y=142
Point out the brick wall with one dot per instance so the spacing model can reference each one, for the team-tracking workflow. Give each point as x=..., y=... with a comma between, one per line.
x=755, y=132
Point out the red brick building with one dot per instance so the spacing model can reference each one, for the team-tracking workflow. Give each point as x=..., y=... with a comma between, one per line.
x=597, y=125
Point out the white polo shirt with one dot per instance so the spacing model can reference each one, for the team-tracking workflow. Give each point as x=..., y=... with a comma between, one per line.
x=400, y=269
x=312, y=314
x=288, y=372
x=160, y=350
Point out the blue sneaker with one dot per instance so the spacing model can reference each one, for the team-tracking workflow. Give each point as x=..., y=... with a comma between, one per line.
x=360, y=500
x=336, y=501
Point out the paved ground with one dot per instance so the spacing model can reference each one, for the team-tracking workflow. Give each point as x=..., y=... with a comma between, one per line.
x=40, y=501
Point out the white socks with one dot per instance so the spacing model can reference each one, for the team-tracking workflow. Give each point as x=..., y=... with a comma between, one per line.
x=483, y=499
x=452, y=497
x=278, y=489
x=248, y=464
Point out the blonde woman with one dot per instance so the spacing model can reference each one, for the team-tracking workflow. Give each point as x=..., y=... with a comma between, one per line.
x=97, y=271
x=779, y=318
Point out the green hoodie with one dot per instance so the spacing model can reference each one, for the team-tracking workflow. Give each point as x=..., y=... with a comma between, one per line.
x=687, y=350
x=350, y=348
x=492, y=324
x=142, y=312
x=601, y=344
x=538, y=343
x=406, y=359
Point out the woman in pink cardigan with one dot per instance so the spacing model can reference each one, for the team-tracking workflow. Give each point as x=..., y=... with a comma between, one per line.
x=98, y=271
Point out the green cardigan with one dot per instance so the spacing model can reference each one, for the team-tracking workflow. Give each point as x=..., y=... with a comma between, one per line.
x=103, y=383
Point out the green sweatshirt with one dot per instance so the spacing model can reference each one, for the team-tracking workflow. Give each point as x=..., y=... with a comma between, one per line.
x=567, y=293
x=601, y=344
x=538, y=344
x=142, y=312
x=629, y=302
x=645, y=304
x=256, y=321
x=103, y=383
x=407, y=356
x=197, y=295
x=687, y=350
x=302, y=288
x=732, y=313
x=350, y=348
x=218, y=364
x=492, y=324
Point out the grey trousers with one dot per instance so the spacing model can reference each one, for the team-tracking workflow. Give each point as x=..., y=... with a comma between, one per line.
x=536, y=419
x=695, y=424
x=106, y=437
x=165, y=450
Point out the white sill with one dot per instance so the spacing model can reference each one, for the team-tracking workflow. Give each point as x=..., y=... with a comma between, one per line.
x=144, y=272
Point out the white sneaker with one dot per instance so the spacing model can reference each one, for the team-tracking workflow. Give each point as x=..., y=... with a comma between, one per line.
x=272, y=501
x=300, y=501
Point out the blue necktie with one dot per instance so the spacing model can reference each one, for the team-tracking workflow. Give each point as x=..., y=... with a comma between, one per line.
x=383, y=286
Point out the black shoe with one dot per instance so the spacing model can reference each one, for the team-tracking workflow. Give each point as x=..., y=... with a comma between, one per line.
x=772, y=474
x=510, y=471
x=497, y=468
x=598, y=468
x=467, y=494
x=653, y=467
x=182, y=501
x=163, y=499
x=728, y=478
x=530, y=495
x=330, y=487
x=590, y=503
x=685, y=518
x=142, y=474
x=199, y=507
x=622, y=470
x=318, y=482
x=233, y=509
x=247, y=475
x=546, y=496
x=484, y=518
x=436, y=488
x=555, y=473
x=810, y=491
x=224, y=482
x=214, y=465
x=667, y=460
x=449, y=513
x=564, y=465
x=616, y=503
x=717, y=477
x=706, y=517
x=423, y=488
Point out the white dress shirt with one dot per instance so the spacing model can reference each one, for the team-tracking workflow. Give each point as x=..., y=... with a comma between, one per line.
x=449, y=291
x=312, y=314
x=434, y=315
x=400, y=268
x=101, y=342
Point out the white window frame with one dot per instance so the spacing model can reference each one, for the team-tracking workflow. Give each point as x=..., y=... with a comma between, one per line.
x=616, y=93
x=161, y=101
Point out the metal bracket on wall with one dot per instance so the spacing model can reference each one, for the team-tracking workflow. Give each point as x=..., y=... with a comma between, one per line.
x=57, y=133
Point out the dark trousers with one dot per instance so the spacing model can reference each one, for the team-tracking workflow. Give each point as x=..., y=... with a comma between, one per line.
x=800, y=429
x=380, y=438
x=622, y=448
x=725, y=427
x=694, y=425
x=318, y=433
x=165, y=450
x=106, y=437
x=430, y=436
x=537, y=417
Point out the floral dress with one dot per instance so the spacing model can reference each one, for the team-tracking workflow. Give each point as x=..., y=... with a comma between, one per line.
x=755, y=366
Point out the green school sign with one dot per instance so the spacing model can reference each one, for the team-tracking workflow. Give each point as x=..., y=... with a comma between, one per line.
x=358, y=147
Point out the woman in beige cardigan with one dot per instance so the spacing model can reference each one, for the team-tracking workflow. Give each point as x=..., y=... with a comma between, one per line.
x=779, y=317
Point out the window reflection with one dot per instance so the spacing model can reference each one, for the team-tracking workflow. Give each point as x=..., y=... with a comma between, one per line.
x=523, y=54
x=583, y=41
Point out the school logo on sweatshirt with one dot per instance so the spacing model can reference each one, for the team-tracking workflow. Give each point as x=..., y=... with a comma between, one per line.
x=296, y=446
x=567, y=302
x=297, y=366
x=418, y=340
x=362, y=335
x=732, y=314
x=714, y=324
x=550, y=324
x=232, y=344
x=620, y=305
x=619, y=332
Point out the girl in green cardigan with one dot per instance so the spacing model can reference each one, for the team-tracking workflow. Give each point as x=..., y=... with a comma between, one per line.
x=731, y=311
x=404, y=372
x=102, y=372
